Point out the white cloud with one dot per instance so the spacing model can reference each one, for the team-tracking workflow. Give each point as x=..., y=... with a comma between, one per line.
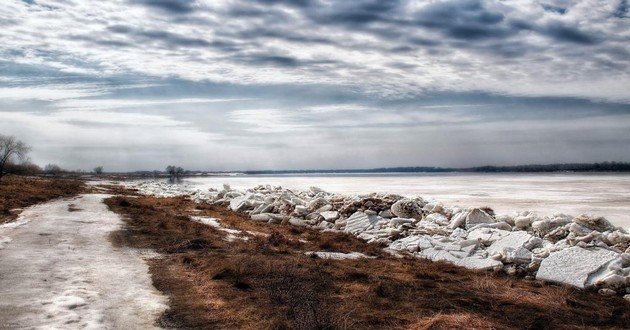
x=196, y=47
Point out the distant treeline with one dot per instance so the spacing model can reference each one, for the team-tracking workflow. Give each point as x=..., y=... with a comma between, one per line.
x=592, y=167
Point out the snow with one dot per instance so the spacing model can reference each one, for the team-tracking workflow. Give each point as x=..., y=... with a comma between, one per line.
x=339, y=255
x=60, y=271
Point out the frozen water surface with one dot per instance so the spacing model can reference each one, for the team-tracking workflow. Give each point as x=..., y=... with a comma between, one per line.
x=607, y=195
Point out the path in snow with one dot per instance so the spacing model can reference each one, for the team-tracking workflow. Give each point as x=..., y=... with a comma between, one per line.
x=59, y=271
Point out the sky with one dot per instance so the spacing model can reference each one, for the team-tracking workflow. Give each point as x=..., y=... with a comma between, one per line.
x=226, y=85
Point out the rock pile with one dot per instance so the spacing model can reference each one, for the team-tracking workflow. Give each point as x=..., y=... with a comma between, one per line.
x=583, y=251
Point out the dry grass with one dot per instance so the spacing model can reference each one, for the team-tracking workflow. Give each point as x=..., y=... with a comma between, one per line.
x=268, y=283
x=19, y=192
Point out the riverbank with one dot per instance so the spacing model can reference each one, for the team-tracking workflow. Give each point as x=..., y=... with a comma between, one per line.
x=17, y=192
x=223, y=270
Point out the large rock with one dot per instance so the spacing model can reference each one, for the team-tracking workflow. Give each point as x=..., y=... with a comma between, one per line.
x=407, y=208
x=438, y=255
x=240, y=203
x=359, y=222
x=477, y=216
x=330, y=216
x=513, y=247
x=479, y=263
x=458, y=220
x=575, y=266
x=594, y=223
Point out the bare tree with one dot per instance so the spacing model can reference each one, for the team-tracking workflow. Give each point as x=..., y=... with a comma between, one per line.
x=11, y=149
x=52, y=169
x=98, y=170
x=174, y=173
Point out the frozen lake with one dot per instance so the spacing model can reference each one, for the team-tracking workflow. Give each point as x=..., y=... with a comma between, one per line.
x=607, y=195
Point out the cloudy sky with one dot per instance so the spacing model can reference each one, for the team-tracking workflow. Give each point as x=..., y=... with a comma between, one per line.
x=314, y=84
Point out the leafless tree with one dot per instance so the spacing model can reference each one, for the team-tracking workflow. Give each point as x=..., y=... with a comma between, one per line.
x=52, y=169
x=174, y=173
x=98, y=170
x=11, y=149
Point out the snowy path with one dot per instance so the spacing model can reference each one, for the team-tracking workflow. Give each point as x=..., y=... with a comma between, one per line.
x=59, y=271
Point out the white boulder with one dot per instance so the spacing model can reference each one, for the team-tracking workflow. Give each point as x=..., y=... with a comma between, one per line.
x=359, y=222
x=575, y=266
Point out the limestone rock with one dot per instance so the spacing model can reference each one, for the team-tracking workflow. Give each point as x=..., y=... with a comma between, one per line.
x=407, y=208
x=458, y=220
x=437, y=218
x=261, y=217
x=574, y=266
x=438, y=255
x=330, y=216
x=359, y=222
x=297, y=222
x=240, y=203
x=594, y=223
x=477, y=216
x=512, y=247
x=316, y=204
x=479, y=263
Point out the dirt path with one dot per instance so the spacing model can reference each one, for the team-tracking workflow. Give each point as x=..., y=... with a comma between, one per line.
x=58, y=270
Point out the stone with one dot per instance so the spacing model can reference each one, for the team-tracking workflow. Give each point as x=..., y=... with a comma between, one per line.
x=400, y=221
x=437, y=218
x=487, y=236
x=316, y=203
x=261, y=217
x=409, y=243
x=497, y=225
x=359, y=222
x=574, y=266
x=300, y=210
x=479, y=263
x=477, y=216
x=607, y=292
x=579, y=230
x=240, y=203
x=594, y=223
x=407, y=208
x=524, y=222
x=330, y=216
x=438, y=255
x=458, y=220
x=297, y=222
x=324, y=208
x=386, y=213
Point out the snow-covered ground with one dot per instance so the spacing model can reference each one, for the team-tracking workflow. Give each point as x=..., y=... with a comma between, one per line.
x=59, y=271
x=605, y=195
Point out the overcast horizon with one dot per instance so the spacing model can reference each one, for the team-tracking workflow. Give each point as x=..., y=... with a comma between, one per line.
x=315, y=84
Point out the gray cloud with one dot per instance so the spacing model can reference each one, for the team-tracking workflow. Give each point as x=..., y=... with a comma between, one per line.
x=562, y=32
x=621, y=11
x=169, y=6
x=316, y=83
x=554, y=9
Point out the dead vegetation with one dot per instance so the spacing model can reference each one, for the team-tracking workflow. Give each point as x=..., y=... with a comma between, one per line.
x=19, y=192
x=266, y=282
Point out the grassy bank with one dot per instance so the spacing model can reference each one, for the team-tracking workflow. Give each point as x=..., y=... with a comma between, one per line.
x=18, y=192
x=266, y=282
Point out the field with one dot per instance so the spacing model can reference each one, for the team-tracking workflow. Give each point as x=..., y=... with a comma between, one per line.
x=267, y=282
x=251, y=275
x=18, y=192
